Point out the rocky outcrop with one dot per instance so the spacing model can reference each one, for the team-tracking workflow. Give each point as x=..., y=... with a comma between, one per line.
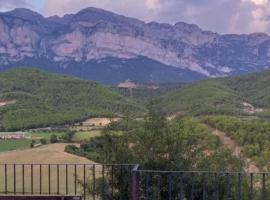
x=95, y=34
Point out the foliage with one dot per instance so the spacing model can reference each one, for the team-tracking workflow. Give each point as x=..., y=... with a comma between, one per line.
x=44, y=99
x=220, y=96
x=43, y=141
x=252, y=135
x=155, y=143
x=54, y=138
x=69, y=136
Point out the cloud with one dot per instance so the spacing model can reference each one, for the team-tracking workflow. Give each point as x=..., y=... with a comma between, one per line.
x=223, y=16
x=152, y=4
x=11, y=4
x=260, y=2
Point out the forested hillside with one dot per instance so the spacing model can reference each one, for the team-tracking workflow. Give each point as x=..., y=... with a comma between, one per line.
x=244, y=95
x=252, y=135
x=30, y=98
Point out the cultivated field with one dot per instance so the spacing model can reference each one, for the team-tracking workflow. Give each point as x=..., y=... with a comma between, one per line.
x=10, y=145
x=49, y=154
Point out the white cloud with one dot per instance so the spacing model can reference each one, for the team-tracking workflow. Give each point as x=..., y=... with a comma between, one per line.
x=224, y=16
x=6, y=5
x=152, y=4
x=260, y=2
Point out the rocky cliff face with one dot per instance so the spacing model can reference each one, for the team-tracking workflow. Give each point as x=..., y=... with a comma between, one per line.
x=93, y=37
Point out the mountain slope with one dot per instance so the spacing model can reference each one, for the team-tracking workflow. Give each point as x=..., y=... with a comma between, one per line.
x=246, y=94
x=95, y=43
x=31, y=98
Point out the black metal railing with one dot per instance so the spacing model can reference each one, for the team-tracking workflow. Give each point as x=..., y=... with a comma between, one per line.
x=124, y=181
x=91, y=181
x=200, y=185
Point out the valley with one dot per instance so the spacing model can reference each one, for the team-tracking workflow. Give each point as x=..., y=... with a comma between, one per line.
x=126, y=102
x=98, y=112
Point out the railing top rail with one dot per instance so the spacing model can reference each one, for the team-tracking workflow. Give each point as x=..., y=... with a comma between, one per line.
x=136, y=167
x=197, y=172
x=90, y=164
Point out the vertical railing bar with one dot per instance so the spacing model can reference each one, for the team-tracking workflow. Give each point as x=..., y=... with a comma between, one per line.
x=112, y=176
x=263, y=185
x=192, y=186
x=66, y=179
x=75, y=179
x=23, y=181
x=131, y=183
x=40, y=178
x=14, y=177
x=251, y=186
x=204, y=186
x=159, y=187
x=49, y=177
x=180, y=187
x=32, y=180
x=58, y=181
x=135, y=183
x=170, y=186
x=121, y=179
x=217, y=185
x=239, y=186
x=228, y=186
x=147, y=186
x=6, y=178
x=103, y=180
x=94, y=181
x=84, y=182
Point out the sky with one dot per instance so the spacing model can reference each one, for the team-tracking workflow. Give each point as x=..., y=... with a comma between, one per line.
x=222, y=16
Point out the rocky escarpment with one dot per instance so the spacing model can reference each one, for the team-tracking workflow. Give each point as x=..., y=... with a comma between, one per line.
x=94, y=36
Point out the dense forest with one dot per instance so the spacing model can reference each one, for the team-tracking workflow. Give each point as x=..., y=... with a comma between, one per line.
x=220, y=96
x=42, y=99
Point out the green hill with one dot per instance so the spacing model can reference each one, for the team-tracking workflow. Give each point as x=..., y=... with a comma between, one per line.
x=221, y=96
x=37, y=99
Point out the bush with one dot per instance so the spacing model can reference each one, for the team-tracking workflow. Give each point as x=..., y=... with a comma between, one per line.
x=43, y=141
x=54, y=138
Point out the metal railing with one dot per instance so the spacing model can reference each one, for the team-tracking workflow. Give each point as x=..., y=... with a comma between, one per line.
x=91, y=181
x=200, y=185
x=125, y=181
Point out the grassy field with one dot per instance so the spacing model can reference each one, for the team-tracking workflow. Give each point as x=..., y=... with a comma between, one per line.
x=45, y=135
x=10, y=145
x=79, y=136
x=49, y=154
x=86, y=135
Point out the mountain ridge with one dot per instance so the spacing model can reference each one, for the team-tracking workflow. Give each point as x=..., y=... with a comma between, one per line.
x=93, y=35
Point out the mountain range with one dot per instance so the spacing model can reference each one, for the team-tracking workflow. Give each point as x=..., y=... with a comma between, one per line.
x=110, y=48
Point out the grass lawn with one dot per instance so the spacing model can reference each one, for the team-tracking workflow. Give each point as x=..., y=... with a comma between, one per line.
x=9, y=145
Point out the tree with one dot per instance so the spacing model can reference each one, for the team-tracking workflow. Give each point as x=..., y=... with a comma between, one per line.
x=53, y=138
x=43, y=141
x=69, y=136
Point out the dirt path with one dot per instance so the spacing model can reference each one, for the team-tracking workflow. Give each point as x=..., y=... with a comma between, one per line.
x=237, y=151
